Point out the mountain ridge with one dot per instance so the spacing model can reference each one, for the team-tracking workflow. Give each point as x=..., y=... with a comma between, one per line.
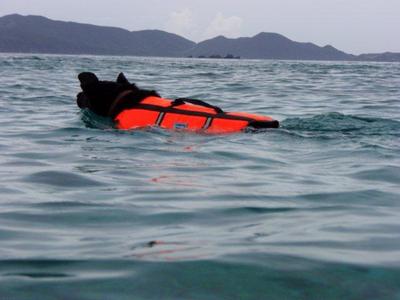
x=38, y=34
x=267, y=45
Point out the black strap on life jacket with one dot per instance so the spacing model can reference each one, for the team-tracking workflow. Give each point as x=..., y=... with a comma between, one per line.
x=181, y=101
x=117, y=101
x=176, y=110
x=221, y=114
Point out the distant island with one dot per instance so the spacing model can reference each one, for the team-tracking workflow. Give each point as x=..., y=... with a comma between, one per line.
x=36, y=34
x=217, y=56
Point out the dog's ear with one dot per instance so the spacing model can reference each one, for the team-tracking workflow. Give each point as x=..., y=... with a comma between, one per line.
x=122, y=79
x=87, y=78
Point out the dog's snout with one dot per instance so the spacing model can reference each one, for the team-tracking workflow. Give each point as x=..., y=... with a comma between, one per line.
x=82, y=100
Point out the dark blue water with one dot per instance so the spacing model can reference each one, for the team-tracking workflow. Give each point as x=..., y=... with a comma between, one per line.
x=308, y=211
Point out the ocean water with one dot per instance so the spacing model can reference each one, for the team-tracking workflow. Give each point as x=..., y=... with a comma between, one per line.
x=307, y=211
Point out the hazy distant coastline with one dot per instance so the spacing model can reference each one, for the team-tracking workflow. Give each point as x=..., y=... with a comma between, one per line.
x=36, y=34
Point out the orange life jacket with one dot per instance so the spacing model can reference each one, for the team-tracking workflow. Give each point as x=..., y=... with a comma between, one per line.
x=188, y=114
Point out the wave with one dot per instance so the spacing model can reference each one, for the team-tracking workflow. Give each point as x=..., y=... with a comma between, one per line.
x=324, y=123
x=251, y=275
x=337, y=122
x=92, y=120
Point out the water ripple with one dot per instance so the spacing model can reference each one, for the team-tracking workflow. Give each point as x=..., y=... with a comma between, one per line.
x=307, y=211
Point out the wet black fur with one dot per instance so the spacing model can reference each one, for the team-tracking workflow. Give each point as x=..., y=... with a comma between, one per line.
x=99, y=96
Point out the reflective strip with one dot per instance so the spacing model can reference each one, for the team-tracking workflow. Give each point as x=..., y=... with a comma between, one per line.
x=207, y=124
x=160, y=118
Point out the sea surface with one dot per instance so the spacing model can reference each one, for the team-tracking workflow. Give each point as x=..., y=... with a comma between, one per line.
x=307, y=211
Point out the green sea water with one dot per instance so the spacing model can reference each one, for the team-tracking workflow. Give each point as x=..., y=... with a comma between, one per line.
x=307, y=211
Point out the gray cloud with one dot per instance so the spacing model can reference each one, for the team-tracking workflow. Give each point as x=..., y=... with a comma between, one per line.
x=227, y=26
x=181, y=22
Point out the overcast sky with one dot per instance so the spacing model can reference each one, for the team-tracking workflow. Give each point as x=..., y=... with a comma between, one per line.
x=355, y=26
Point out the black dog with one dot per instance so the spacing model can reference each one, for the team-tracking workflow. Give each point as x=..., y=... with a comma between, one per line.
x=101, y=97
x=147, y=108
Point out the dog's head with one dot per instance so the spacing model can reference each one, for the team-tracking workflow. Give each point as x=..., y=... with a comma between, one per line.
x=99, y=96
